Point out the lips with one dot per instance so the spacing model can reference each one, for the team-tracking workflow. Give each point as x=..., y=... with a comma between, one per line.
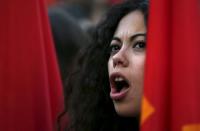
x=119, y=86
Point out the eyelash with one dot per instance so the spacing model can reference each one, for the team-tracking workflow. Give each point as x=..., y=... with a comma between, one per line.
x=114, y=48
x=139, y=43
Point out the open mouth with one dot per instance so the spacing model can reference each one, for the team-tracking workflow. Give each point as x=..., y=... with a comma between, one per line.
x=118, y=83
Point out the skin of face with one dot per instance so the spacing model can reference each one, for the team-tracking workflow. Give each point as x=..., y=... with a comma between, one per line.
x=127, y=59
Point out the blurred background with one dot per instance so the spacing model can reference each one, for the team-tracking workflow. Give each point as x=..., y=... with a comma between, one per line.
x=72, y=22
x=90, y=10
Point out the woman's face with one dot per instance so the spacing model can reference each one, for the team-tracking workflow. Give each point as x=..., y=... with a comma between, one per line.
x=126, y=64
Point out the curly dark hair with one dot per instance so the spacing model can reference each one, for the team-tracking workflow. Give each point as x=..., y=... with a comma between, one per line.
x=87, y=96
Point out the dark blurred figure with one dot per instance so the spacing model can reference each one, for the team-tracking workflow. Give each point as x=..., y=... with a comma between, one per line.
x=79, y=10
x=68, y=38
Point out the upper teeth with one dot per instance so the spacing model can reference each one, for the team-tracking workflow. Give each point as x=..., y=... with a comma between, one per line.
x=119, y=79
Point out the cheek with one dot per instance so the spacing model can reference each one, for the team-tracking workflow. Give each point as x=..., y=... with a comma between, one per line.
x=110, y=65
x=137, y=65
x=137, y=79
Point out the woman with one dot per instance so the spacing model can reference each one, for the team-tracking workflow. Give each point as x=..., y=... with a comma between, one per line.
x=106, y=86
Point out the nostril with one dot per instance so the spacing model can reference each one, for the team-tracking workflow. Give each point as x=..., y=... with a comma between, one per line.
x=117, y=61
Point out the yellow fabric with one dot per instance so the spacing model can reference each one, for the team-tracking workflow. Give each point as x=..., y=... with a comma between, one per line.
x=191, y=127
x=147, y=110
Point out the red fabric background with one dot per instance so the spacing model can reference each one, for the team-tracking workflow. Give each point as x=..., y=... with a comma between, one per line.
x=30, y=85
x=51, y=2
x=172, y=79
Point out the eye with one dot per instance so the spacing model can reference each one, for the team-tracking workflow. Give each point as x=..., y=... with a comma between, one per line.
x=114, y=48
x=139, y=45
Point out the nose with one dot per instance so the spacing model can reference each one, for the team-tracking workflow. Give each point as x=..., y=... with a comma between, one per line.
x=120, y=59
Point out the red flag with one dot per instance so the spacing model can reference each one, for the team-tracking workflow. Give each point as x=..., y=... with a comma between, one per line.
x=30, y=85
x=172, y=80
x=51, y=2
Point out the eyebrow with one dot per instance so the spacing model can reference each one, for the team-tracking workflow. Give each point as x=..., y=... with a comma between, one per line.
x=116, y=38
x=131, y=38
x=136, y=35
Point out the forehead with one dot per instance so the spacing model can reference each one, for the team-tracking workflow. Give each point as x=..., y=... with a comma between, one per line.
x=131, y=24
